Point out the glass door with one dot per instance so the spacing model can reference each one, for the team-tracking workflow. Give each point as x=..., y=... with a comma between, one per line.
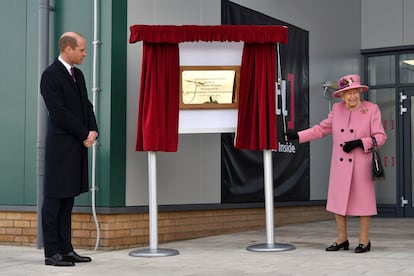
x=386, y=190
x=407, y=195
x=381, y=79
x=390, y=77
x=406, y=109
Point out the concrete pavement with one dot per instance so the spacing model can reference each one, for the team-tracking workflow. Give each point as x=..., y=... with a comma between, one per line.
x=392, y=253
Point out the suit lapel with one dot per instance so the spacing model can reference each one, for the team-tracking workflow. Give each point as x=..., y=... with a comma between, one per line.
x=67, y=75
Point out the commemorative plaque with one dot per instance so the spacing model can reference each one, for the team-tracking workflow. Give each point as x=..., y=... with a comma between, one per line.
x=209, y=87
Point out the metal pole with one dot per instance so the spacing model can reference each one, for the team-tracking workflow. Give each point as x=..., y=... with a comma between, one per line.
x=268, y=180
x=43, y=61
x=152, y=194
x=270, y=245
x=153, y=250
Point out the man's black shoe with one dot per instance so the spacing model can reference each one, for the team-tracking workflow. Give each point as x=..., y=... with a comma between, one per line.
x=74, y=257
x=57, y=260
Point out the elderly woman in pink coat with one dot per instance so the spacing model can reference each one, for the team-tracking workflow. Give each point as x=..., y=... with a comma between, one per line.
x=351, y=191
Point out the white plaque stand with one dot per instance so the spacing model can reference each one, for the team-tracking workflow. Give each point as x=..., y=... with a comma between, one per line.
x=153, y=251
x=270, y=246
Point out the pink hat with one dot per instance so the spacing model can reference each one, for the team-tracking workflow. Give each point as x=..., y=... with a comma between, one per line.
x=349, y=82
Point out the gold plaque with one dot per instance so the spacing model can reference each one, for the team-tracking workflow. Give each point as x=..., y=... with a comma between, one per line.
x=209, y=86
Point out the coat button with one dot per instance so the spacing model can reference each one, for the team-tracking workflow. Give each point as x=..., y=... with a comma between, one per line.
x=352, y=131
x=350, y=159
x=341, y=145
x=341, y=159
x=342, y=130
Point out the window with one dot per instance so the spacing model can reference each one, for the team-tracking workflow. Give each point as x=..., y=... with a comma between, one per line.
x=381, y=70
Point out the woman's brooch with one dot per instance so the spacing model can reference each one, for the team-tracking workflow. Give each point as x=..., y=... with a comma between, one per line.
x=364, y=110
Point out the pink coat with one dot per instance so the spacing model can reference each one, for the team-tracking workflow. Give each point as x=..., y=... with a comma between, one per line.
x=351, y=188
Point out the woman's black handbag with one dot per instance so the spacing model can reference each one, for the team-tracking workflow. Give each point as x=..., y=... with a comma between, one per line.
x=377, y=168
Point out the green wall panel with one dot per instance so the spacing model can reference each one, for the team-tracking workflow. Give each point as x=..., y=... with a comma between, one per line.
x=13, y=101
x=32, y=94
x=118, y=102
x=19, y=92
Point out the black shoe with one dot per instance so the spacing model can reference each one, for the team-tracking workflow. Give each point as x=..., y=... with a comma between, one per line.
x=57, y=260
x=336, y=247
x=363, y=248
x=74, y=257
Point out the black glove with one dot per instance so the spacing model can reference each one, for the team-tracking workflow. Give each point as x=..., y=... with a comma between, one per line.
x=292, y=135
x=350, y=145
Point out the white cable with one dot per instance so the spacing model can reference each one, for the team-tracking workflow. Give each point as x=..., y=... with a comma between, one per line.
x=95, y=91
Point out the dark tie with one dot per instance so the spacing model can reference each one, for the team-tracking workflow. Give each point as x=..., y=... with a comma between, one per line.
x=72, y=72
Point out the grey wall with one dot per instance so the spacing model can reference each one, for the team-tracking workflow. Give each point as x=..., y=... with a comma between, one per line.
x=192, y=175
x=387, y=23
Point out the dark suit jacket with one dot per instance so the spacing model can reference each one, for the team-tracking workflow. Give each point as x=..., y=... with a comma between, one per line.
x=70, y=119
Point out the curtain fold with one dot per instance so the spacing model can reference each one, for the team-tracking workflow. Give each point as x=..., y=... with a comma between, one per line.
x=256, y=125
x=158, y=105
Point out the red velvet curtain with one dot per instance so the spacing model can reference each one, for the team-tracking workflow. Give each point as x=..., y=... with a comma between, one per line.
x=177, y=34
x=159, y=93
x=256, y=126
x=158, y=105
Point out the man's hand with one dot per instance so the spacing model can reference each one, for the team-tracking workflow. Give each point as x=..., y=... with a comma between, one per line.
x=90, y=140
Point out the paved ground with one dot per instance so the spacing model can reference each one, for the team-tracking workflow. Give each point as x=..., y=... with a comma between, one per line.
x=392, y=253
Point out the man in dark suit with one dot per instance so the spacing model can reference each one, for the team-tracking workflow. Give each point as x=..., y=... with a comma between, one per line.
x=72, y=129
